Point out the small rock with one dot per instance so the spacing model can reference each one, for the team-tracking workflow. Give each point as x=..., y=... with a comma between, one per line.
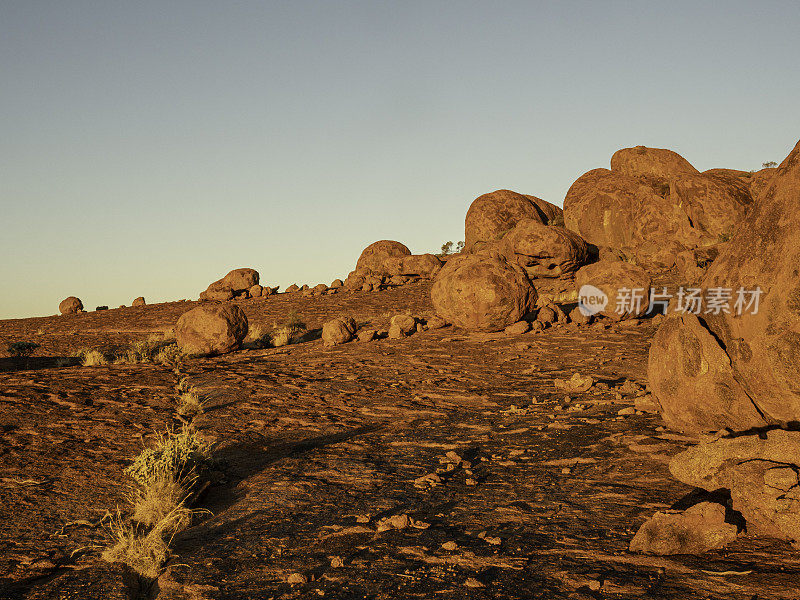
x=518, y=328
x=698, y=529
x=473, y=583
x=450, y=546
x=628, y=410
x=297, y=578
x=366, y=335
x=337, y=562
x=436, y=322
x=646, y=404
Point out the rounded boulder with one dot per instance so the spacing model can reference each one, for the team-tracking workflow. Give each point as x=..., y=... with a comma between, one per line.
x=211, y=329
x=70, y=306
x=373, y=256
x=481, y=292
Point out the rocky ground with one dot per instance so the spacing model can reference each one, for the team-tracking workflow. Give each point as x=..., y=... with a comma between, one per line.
x=536, y=493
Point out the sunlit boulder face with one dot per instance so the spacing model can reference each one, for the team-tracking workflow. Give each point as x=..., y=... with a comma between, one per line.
x=653, y=204
x=236, y=282
x=613, y=278
x=716, y=370
x=482, y=292
x=492, y=215
x=374, y=255
x=544, y=251
x=211, y=329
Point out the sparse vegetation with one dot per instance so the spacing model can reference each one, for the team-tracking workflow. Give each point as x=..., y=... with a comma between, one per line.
x=166, y=475
x=22, y=349
x=769, y=164
x=176, y=455
x=92, y=358
x=145, y=551
x=190, y=404
x=447, y=248
x=285, y=333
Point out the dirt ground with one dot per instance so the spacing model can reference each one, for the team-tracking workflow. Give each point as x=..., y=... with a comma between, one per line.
x=317, y=445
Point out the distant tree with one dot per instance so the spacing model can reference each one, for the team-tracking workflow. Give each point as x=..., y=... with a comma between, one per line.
x=447, y=247
x=460, y=246
x=769, y=164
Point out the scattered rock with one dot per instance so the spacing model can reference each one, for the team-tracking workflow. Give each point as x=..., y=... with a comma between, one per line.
x=576, y=384
x=367, y=335
x=698, y=529
x=576, y=316
x=402, y=326
x=337, y=283
x=138, y=301
x=293, y=288
x=436, y=322
x=297, y=579
x=338, y=331
x=256, y=291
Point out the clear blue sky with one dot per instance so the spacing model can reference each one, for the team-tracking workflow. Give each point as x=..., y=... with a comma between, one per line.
x=146, y=148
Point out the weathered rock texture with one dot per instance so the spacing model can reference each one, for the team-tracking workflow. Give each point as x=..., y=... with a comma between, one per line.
x=698, y=529
x=712, y=371
x=653, y=204
x=491, y=215
x=211, y=329
x=621, y=282
x=70, y=306
x=482, y=292
x=544, y=250
x=761, y=471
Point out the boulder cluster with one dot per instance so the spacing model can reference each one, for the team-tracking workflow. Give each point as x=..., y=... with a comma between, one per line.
x=238, y=284
x=388, y=263
x=739, y=374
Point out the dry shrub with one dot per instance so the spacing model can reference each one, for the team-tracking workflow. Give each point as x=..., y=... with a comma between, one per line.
x=145, y=551
x=93, y=358
x=175, y=455
x=190, y=404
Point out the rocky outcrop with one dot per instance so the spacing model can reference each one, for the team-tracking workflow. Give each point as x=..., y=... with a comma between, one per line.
x=723, y=369
x=544, y=250
x=414, y=265
x=138, y=301
x=482, y=292
x=626, y=287
x=236, y=282
x=211, y=329
x=70, y=305
x=491, y=215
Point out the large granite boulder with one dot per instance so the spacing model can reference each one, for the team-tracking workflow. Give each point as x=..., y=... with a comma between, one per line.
x=70, y=305
x=491, y=215
x=544, y=250
x=482, y=292
x=740, y=368
x=211, y=329
x=374, y=255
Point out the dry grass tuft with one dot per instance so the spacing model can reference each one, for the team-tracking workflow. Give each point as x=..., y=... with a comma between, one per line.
x=169, y=355
x=93, y=358
x=145, y=551
x=190, y=404
x=175, y=455
x=152, y=503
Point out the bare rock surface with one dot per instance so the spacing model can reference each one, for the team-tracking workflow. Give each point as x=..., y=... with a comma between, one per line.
x=491, y=215
x=544, y=250
x=374, y=255
x=534, y=496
